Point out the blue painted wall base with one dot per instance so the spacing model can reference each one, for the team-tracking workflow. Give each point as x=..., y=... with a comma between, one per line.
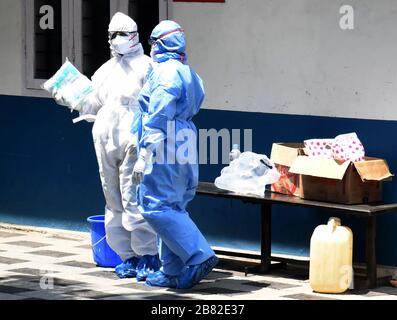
x=49, y=175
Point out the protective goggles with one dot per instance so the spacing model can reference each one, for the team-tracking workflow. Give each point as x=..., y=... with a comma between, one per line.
x=114, y=34
x=152, y=41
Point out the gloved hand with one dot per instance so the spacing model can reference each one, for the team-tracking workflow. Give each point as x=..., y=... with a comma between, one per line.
x=140, y=165
x=59, y=99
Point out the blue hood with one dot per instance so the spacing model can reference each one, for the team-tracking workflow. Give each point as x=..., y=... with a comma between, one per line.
x=170, y=40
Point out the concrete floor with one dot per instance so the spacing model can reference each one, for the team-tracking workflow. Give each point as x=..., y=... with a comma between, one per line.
x=57, y=265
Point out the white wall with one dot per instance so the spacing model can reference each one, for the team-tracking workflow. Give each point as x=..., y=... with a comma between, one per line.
x=291, y=56
x=271, y=56
x=11, y=81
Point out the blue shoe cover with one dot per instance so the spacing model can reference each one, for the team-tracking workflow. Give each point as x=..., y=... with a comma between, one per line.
x=160, y=279
x=147, y=265
x=194, y=274
x=127, y=269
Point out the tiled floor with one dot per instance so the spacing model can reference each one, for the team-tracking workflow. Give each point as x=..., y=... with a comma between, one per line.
x=58, y=265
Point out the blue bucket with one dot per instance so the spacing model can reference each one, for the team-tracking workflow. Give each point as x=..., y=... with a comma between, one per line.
x=104, y=256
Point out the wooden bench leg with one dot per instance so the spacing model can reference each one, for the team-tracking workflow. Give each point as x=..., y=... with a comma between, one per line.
x=266, y=241
x=266, y=236
x=371, y=252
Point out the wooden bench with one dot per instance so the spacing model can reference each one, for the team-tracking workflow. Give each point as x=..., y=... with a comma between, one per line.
x=367, y=211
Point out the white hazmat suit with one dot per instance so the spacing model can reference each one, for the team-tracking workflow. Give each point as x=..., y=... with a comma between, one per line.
x=117, y=84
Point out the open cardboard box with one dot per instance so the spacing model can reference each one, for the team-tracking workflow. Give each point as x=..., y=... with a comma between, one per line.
x=283, y=156
x=342, y=182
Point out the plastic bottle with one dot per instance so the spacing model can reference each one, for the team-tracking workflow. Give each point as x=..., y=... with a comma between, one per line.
x=331, y=258
x=235, y=152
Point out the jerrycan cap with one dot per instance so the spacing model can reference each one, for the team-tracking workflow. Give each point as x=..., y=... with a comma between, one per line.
x=334, y=222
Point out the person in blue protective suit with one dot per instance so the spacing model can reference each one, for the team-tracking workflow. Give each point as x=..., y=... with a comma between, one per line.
x=169, y=100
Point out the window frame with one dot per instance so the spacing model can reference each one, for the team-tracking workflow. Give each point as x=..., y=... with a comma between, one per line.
x=32, y=83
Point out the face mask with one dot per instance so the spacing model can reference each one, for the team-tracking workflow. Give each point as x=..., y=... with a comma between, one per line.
x=152, y=55
x=124, y=44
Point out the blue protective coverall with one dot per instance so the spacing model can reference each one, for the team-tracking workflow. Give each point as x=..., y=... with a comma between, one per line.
x=170, y=98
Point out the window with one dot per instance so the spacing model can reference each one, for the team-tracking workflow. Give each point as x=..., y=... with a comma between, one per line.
x=79, y=33
x=48, y=42
x=91, y=35
x=45, y=46
x=146, y=15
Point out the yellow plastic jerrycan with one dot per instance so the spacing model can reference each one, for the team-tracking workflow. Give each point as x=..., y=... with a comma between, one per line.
x=331, y=258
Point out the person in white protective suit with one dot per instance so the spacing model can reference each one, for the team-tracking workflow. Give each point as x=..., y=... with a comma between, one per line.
x=117, y=84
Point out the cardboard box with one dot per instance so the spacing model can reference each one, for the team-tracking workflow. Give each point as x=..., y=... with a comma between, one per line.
x=341, y=182
x=283, y=155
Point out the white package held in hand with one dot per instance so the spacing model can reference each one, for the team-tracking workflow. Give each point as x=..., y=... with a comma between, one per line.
x=69, y=84
x=248, y=174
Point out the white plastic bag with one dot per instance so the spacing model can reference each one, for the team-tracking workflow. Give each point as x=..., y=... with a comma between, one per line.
x=69, y=84
x=248, y=174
